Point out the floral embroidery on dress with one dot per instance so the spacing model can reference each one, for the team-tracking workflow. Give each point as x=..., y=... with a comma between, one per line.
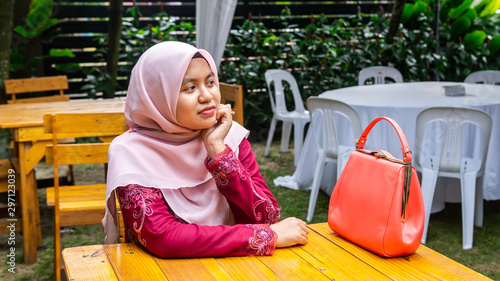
x=263, y=240
x=140, y=199
x=225, y=163
x=273, y=212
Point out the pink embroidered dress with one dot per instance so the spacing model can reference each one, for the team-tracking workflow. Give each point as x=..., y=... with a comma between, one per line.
x=176, y=201
x=151, y=222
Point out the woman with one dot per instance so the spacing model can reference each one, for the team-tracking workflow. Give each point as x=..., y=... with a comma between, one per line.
x=184, y=174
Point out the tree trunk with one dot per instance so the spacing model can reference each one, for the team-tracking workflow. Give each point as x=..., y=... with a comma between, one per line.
x=397, y=12
x=7, y=16
x=114, y=35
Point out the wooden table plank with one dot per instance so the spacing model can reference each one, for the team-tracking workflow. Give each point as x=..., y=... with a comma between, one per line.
x=323, y=268
x=185, y=269
x=130, y=262
x=246, y=268
x=215, y=268
x=425, y=264
x=339, y=261
x=444, y=267
x=287, y=265
x=31, y=114
x=87, y=263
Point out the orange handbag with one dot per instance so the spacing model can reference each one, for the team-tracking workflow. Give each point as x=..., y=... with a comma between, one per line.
x=377, y=201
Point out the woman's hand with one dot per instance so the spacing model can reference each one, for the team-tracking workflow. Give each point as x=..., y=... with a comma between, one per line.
x=213, y=137
x=290, y=231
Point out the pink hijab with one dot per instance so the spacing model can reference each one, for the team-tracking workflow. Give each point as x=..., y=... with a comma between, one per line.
x=157, y=151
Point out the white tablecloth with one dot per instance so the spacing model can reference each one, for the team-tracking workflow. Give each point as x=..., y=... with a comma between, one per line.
x=403, y=102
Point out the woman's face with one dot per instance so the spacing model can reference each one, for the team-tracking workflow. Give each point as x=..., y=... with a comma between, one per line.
x=199, y=97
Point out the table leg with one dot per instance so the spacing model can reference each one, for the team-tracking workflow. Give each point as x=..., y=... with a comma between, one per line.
x=31, y=180
x=30, y=211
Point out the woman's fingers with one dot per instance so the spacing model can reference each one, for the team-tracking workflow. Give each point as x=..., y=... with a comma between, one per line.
x=304, y=227
x=224, y=112
x=304, y=230
x=213, y=138
x=304, y=239
x=290, y=231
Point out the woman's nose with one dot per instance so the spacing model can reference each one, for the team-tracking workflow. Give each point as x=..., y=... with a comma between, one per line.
x=205, y=94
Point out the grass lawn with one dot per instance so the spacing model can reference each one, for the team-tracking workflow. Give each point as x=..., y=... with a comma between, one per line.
x=444, y=236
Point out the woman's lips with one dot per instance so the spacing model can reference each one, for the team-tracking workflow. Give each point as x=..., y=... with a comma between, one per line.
x=208, y=111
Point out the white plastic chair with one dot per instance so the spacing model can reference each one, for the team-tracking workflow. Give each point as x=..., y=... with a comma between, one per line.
x=298, y=117
x=328, y=139
x=491, y=77
x=442, y=154
x=379, y=73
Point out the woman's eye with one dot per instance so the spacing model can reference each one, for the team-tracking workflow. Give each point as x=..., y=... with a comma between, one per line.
x=189, y=88
x=211, y=83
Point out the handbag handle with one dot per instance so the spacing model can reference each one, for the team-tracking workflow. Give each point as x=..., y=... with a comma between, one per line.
x=360, y=143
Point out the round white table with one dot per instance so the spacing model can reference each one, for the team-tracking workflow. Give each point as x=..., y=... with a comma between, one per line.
x=403, y=102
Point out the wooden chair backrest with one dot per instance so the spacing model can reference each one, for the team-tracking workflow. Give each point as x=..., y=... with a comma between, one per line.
x=81, y=204
x=36, y=85
x=106, y=126
x=233, y=93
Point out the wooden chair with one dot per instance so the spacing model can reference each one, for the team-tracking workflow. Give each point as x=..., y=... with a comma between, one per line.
x=14, y=87
x=234, y=93
x=79, y=204
x=120, y=223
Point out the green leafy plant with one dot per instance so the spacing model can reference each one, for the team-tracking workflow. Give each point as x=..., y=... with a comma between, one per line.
x=39, y=28
x=38, y=20
x=470, y=22
x=135, y=40
x=469, y=37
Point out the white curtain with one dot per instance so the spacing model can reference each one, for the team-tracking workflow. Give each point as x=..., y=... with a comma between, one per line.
x=213, y=23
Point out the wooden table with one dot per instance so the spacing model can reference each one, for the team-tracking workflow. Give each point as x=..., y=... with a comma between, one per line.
x=325, y=257
x=26, y=122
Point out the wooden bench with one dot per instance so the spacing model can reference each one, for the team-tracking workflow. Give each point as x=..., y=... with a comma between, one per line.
x=13, y=87
x=79, y=204
x=233, y=93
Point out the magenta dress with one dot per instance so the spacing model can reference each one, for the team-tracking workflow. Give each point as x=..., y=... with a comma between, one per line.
x=150, y=221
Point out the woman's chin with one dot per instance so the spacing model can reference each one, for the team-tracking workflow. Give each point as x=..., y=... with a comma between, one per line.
x=207, y=123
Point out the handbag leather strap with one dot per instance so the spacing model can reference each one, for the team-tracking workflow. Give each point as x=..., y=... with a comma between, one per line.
x=360, y=143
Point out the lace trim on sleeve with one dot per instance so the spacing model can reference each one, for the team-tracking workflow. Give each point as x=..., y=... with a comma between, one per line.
x=263, y=240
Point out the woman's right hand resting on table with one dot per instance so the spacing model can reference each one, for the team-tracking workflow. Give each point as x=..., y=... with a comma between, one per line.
x=290, y=231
